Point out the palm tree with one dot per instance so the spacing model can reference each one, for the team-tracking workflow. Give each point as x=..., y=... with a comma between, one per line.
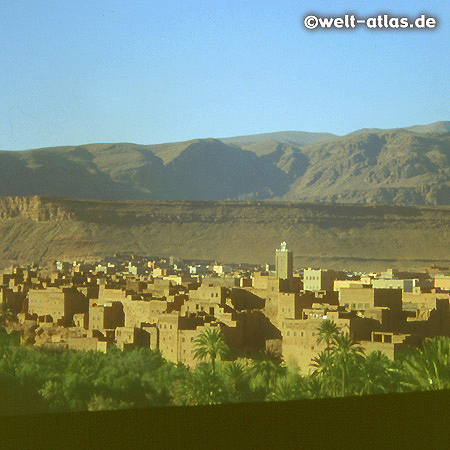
x=325, y=370
x=314, y=387
x=376, y=374
x=236, y=373
x=268, y=365
x=210, y=343
x=344, y=353
x=328, y=330
x=285, y=389
x=200, y=387
x=238, y=380
x=428, y=368
x=322, y=363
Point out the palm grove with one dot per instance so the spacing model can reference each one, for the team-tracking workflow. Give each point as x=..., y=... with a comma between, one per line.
x=38, y=380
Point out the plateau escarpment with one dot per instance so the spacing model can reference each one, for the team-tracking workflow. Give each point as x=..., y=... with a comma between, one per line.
x=330, y=235
x=34, y=208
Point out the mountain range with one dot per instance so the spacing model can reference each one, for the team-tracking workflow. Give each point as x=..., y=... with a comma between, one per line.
x=403, y=166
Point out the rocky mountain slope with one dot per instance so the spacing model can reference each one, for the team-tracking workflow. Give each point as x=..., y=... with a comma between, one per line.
x=397, y=167
x=359, y=237
x=402, y=167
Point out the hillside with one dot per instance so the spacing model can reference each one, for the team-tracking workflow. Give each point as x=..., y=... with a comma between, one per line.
x=396, y=167
x=358, y=237
x=402, y=167
x=288, y=137
x=436, y=127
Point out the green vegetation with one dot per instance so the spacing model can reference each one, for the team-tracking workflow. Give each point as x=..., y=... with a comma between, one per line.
x=34, y=380
x=211, y=344
x=328, y=331
x=429, y=367
x=339, y=361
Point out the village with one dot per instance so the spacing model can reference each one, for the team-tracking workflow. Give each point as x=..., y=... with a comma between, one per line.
x=163, y=303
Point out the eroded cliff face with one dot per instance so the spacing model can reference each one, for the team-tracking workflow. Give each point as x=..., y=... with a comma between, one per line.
x=35, y=208
x=133, y=213
x=360, y=237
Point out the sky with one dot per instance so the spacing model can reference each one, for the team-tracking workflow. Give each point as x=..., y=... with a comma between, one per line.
x=153, y=71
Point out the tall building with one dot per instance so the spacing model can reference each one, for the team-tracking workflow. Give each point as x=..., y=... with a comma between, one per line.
x=320, y=279
x=284, y=263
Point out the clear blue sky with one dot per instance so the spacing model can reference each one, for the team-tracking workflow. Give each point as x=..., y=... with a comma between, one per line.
x=151, y=71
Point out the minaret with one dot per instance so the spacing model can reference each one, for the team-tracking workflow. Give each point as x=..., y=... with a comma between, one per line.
x=284, y=263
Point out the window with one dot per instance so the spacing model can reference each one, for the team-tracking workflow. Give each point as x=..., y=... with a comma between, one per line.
x=313, y=334
x=182, y=339
x=288, y=333
x=301, y=333
x=377, y=337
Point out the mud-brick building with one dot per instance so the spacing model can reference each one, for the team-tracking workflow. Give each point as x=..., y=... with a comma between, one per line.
x=131, y=337
x=391, y=344
x=107, y=316
x=360, y=298
x=57, y=304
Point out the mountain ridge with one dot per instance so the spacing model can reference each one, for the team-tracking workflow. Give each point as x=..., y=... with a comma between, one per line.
x=399, y=166
x=442, y=126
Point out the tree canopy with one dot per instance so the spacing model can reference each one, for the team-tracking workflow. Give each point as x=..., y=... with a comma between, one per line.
x=35, y=380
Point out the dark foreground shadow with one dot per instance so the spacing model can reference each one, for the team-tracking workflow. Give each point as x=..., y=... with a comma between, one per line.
x=397, y=421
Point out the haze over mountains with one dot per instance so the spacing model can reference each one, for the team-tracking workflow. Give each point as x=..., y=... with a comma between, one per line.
x=405, y=166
